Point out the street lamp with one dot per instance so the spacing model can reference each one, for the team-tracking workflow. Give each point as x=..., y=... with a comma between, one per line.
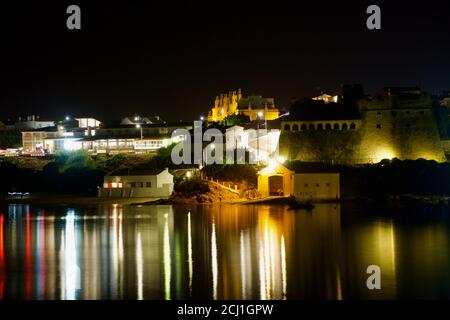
x=138, y=126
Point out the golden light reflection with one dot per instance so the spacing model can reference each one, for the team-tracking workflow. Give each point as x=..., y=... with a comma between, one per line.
x=272, y=259
x=283, y=268
x=246, y=264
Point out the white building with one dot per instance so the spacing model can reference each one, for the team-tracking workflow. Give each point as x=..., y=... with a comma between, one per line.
x=88, y=123
x=137, y=184
x=33, y=123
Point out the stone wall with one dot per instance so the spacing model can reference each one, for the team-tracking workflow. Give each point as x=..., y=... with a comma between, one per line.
x=405, y=131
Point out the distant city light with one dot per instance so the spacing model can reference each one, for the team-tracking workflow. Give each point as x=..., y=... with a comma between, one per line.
x=202, y=118
x=189, y=174
x=260, y=114
x=138, y=126
x=136, y=118
x=67, y=118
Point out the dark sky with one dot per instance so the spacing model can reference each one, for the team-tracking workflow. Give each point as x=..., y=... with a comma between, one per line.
x=173, y=58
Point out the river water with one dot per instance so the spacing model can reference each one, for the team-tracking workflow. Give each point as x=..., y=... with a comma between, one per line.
x=219, y=252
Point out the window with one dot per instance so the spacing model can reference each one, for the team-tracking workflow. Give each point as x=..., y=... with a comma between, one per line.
x=336, y=126
x=133, y=184
x=379, y=112
x=287, y=127
x=422, y=112
x=378, y=126
x=304, y=127
x=148, y=184
x=311, y=127
x=344, y=126
x=306, y=185
x=320, y=126
x=328, y=126
x=295, y=127
x=352, y=126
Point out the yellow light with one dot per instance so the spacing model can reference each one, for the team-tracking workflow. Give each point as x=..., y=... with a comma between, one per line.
x=189, y=174
x=384, y=153
x=270, y=169
x=281, y=159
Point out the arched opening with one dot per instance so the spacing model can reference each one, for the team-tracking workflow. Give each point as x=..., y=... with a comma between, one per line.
x=352, y=126
x=276, y=186
x=304, y=127
x=328, y=126
x=311, y=127
x=336, y=126
x=320, y=126
x=344, y=126
x=287, y=127
x=295, y=127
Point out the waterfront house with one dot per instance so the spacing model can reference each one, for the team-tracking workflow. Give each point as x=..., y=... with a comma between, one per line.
x=307, y=183
x=149, y=183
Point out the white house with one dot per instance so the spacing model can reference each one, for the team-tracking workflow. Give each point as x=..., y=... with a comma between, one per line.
x=150, y=183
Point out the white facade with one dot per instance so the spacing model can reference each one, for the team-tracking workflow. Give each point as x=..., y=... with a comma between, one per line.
x=33, y=124
x=137, y=184
x=88, y=123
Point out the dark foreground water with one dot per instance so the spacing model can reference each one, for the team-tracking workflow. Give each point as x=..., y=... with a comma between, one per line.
x=227, y=252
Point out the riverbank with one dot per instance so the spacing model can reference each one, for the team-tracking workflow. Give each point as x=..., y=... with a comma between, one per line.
x=64, y=199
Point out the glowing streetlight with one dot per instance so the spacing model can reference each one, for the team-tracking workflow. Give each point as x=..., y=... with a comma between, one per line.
x=202, y=118
x=67, y=118
x=138, y=126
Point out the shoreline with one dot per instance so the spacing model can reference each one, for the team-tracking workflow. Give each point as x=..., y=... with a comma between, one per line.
x=67, y=199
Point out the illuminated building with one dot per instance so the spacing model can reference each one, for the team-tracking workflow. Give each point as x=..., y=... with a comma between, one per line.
x=316, y=184
x=326, y=98
x=137, y=183
x=275, y=180
x=234, y=103
x=396, y=123
x=100, y=140
x=33, y=122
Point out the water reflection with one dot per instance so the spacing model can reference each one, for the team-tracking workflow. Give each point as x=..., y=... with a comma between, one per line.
x=228, y=252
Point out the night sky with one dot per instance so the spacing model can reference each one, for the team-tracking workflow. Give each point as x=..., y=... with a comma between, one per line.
x=172, y=58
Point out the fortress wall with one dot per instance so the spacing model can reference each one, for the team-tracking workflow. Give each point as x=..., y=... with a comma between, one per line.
x=382, y=133
x=400, y=133
x=340, y=146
